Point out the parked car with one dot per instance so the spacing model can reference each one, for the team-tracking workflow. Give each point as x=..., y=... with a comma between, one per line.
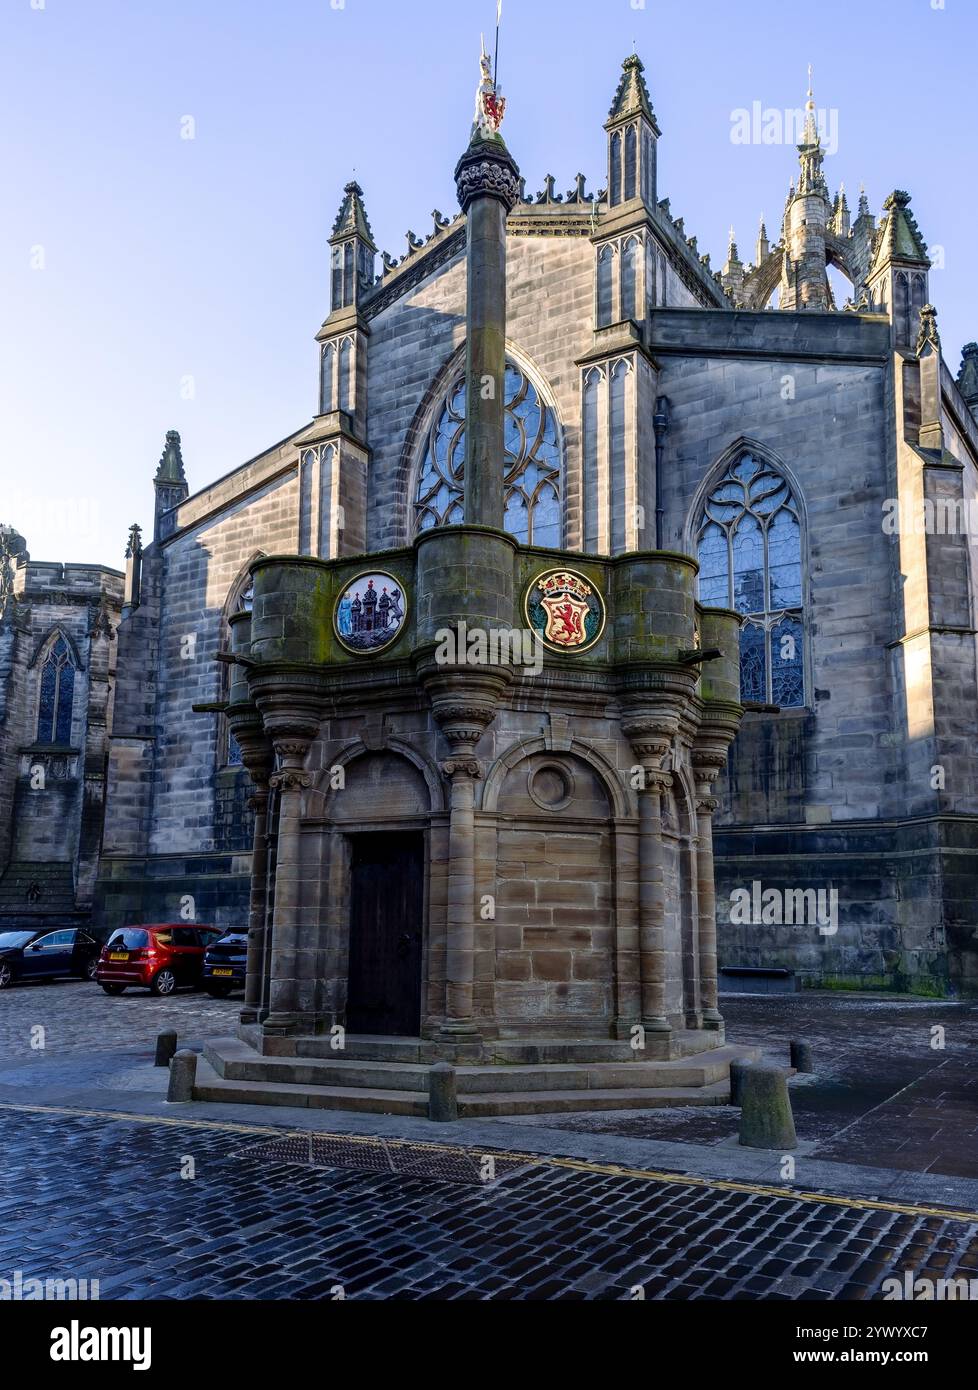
x=159, y=958
x=225, y=962
x=33, y=954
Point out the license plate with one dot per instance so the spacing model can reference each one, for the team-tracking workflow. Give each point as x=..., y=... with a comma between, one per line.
x=118, y=955
x=222, y=972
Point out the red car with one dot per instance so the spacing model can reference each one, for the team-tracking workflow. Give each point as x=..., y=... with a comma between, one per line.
x=158, y=958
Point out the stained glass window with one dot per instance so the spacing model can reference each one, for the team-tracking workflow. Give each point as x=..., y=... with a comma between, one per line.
x=531, y=466
x=57, y=695
x=749, y=549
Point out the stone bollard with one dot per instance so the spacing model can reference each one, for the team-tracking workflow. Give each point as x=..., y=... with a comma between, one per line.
x=442, y=1096
x=801, y=1056
x=166, y=1046
x=183, y=1074
x=737, y=1070
x=766, y=1121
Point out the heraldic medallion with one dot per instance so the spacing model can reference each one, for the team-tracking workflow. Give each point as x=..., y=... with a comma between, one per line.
x=370, y=613
x=566, y=610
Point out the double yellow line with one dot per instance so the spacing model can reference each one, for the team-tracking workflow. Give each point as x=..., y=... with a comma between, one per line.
x=611, y=1170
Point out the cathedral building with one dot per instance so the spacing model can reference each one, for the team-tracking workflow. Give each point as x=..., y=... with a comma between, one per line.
x=703, y=509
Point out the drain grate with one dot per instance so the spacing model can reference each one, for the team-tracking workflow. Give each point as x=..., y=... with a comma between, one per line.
x=427, y=1161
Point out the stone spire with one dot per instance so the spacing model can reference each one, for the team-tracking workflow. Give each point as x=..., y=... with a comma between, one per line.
x=352, y=252
x=633, y=135
x=841, y=217
x=763, y=248
x=632, y=97
x=899, y=236
x=810, y=154
x=487, y=180
x=732, y=275
x=968, y=377
x=351, y=220
x=170, y=484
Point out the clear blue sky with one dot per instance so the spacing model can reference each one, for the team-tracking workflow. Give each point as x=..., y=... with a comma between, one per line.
x=167, y=258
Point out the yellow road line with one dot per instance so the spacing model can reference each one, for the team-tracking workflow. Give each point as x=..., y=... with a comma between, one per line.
x=613, y=1170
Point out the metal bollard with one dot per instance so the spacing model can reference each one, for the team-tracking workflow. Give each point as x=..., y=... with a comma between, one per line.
x=166, y=1046
x=442, y=1094
x=801, y=1056
x=183, y=1074
x=766, y=1121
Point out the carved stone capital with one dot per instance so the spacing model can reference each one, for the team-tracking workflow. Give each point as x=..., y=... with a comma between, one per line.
x=487, y=170
x=291, y=779
x=706, y=805
x=462, y=767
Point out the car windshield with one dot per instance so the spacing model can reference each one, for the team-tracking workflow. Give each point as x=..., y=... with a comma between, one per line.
x=128, y=939
x=231, y=938
x=10, y=940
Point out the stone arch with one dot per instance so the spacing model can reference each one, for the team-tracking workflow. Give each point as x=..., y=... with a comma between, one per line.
x=621, y=800
x=412, y=452
x=45, y=643
x=744, y=444
x=764, y=280
x=319, y=797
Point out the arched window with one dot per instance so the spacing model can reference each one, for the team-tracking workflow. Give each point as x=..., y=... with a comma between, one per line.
x=606, y=265
x=629, y=279
x=240, y=603
x=749, y=549
x=326, y=385
x=531, y=467
x=57, y=695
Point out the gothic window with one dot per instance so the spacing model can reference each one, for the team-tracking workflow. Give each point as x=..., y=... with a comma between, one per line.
x=346, y=361
x=606, y=264
x=57, y=695
x=749, y=549
x=614, y=196
x=531, y=466
x=326, y=388
x=631, y=162
x=629, y=279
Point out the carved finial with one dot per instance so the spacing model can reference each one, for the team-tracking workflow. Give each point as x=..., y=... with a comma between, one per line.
x=170, y=468
x=134, y=545
x=928, y=339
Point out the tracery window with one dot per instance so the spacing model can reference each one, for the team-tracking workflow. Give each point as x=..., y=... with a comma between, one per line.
x=57, y=695
x=749, y=549
x=531, y=466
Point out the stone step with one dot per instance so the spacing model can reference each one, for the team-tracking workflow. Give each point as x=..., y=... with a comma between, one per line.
x=564, y=1102
x=234, y=1060
x=211, y=1087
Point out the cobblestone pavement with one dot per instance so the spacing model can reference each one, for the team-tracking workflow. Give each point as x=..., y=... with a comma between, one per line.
x=90, y=1197
x=78, y=1016
x=882, y=1095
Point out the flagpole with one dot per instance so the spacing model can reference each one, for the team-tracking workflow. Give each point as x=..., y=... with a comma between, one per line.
x=495, y=66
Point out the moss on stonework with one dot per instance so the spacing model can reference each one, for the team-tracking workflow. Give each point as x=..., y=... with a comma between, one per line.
x=918, y=985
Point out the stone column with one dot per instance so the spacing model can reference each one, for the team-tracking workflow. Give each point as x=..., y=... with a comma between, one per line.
x=487, y=180
x=706, y=769
x=460, y=936
x=291, y=780
x=652, y=901
x=258, y=802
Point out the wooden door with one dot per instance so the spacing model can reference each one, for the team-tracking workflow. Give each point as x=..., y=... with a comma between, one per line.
x=386, y=911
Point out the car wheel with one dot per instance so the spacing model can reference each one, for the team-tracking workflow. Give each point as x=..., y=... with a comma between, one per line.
x=6, y=974
x=218, y=991
x=90, y=968
x=164, y=982
x=113, y=989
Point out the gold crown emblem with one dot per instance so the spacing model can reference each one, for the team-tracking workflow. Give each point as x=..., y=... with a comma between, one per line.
x=562, y=582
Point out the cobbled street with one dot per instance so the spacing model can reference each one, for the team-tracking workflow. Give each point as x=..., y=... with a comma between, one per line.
x=102, y=1180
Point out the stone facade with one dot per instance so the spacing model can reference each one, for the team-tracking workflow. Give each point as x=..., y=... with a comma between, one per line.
x=660, y=376
x=57, y=670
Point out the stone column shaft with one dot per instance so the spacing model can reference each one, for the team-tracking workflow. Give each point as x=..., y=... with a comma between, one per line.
x=485, y=363
x=284, y=1005
x=460, y=936
x=652, y=902
x=256, y=908
x=706, y=897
